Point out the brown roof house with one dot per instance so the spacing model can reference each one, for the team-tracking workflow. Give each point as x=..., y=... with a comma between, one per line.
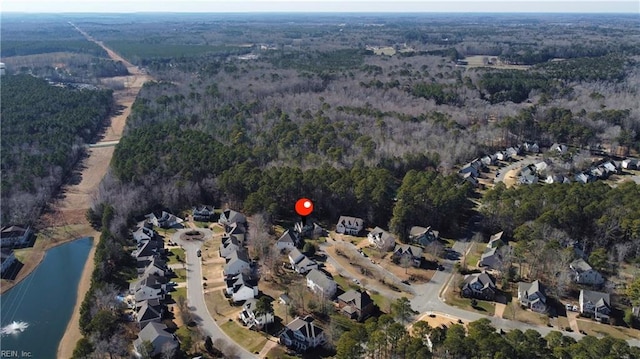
x=479, y=285
x=356, y=304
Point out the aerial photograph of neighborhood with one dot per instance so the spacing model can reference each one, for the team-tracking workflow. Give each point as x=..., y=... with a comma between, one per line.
x=320, y=179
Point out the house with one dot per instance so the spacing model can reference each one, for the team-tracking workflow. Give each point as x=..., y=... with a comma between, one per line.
x=154, y=265
x=287, y=241
x=491, y=258
x=349, y=225
x=144, y=292
x=300, y=263
x=321, y=284
x=165, y=220
x=528, y=175
x=488, y=160
x=610, y=167
x=143, y=233
x=160, y=339
x=228, y=246
x=532, y=296
x=412, y=253
x=541, y=166
x=470, y=169
x=513, y=151
x=501, y=156
x=595, y=304
x=229, y=216
x=148, y=311
x=423, y=236
x=236, y=230
x=249, y=318
x=533, y=148
x=556, y=179
x=148, y=249
x=202, y=213
x=629, y=164
x=238, y=262
x=584, y=178
x=302, y=334
x=240, y=287
x=151, y=281
x=468, y=177
x=7, y=258
x=496, y=241
x=479, y=285
x=15, y=236
x=381, y=239
x=558, y=148
x=584, y=274
x=356, y=304
x=284, y=299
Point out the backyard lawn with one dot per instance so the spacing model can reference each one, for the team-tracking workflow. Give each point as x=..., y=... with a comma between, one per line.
x=251, y=340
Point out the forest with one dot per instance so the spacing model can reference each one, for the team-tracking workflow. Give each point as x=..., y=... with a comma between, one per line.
x=44, y=131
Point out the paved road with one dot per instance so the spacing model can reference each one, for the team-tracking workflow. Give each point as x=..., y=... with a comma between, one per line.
x=529, y=160
x=428, y=300
x=195, y=294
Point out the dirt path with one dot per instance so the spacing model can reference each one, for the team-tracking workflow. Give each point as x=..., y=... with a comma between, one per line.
x=77, y=198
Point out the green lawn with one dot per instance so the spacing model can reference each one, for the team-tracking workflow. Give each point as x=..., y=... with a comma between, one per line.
x=597, y=329
x=177, y=253
x=179, y=292
x=483, y=307
x=181, y=275
x=381, y=301
x=217, y=229
x=474, y=254
x=249, y=339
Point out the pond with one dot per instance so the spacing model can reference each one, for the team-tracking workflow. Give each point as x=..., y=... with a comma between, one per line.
x=35, y=313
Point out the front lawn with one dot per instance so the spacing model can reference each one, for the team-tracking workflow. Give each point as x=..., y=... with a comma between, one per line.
x=453, y=297
x=176, y=256
x=598, y=329
x=181, y=274
x=251, y=340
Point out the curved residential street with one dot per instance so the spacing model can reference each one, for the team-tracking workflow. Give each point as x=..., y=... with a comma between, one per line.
x=195, y=292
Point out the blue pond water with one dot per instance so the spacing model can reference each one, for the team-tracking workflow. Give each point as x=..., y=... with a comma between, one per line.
x=41, y=305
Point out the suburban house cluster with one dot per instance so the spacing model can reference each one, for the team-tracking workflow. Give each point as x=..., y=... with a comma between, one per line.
x=532, y=295
x=11, y=237
x=148, y=294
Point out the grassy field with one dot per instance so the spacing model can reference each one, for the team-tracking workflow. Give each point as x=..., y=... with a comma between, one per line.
x=251, y=340
x=474, y=254
x=483, y=307
x=181, y=275
x=513, y=311
x=478, y=61
x=179, y=292
x=219, y=306
x=597, y=329
x=178, y=253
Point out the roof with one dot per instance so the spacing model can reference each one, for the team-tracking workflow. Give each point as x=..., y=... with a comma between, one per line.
x=147, y=311
x=288, y=237
x=350, y=221
x=407, y=248
x=579, y=265
x=531, y=288
x=483, y=278
x=13, y=231
x=158, y=336
x=305, y=326
x=356, y=298
x=597, y=298
x=239, y=255
x=6, y=254
x=320, y=279
x=233, y=216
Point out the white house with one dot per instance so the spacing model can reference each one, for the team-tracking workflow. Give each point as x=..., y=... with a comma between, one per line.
x=532, y=296
x=238, y=262
x=302, y=334
x=142, y=233
x=240, y=287
x=300, y=263
x=583, y=273
x=629, y=164
x=320, y=284
x=349, y=225
x=249, y=317
x=381, y=239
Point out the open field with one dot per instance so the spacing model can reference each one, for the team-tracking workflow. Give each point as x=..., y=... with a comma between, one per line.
x=598, y=329
x=251, y=340
x=479, y=61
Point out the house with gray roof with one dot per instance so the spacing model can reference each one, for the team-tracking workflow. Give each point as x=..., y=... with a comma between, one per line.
x=15, y=236
x=356, y=304
x=228, y=246
x=479, y=285
x=349, y=225
x=321, y=284
x=302, y=334
x=629, y=163
x=241, y=287
x=301, y=263
x=237, y=263
x=7, y=259
x=423, y=236
x=157, y=335
x=412, y=253
x=287, y=241
x=143, y=233
x=491, y=258
x=532, y=295
x=148, y=311
x=496, y=241
x=165, y=220
x=583, y=273
x=381, y=239
x=202, y=213
x=596, y=304
x=154, y=265
x=229, y=216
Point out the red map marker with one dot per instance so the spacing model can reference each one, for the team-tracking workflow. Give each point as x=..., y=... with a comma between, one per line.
x=304, y=207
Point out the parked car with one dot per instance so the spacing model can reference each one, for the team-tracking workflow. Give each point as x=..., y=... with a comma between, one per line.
x=199, y=253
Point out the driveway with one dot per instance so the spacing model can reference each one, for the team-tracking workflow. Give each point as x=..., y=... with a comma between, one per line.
x=529, y=160
x=195, y=293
